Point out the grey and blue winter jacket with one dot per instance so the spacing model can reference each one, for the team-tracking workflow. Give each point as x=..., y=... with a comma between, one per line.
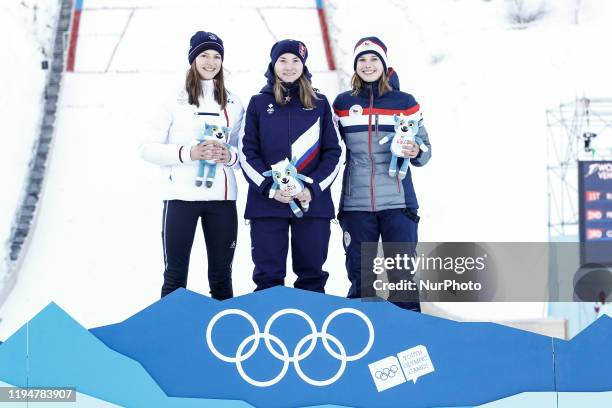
x=363, y=120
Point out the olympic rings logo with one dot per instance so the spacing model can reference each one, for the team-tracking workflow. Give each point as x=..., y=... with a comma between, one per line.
x=386, y=373
x=298, y=353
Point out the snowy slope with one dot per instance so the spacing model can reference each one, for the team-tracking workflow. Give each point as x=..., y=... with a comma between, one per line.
x=97, y=249
x=483, y=86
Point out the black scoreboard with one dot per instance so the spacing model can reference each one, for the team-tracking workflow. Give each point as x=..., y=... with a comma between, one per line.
x=595, y=206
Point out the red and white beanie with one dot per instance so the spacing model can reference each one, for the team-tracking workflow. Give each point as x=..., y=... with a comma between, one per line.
x=370, y=45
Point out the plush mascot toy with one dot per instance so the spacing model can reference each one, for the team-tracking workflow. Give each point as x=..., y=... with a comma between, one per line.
x=406, y=129
x=211, y=132
x=286, y=178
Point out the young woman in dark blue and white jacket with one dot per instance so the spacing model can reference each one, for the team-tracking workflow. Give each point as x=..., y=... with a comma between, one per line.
x=174, y=146
x=287, y=120
x=375, y=205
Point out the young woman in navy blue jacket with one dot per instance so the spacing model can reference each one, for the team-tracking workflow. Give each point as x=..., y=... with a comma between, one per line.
x=377, y=203
x=289, y=120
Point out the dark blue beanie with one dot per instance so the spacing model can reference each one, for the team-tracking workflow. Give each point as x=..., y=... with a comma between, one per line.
x=202, y=41
x=294, y=47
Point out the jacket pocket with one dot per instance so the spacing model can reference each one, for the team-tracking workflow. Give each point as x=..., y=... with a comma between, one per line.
x=410, y=213
x=347, y=191
x=376, y=127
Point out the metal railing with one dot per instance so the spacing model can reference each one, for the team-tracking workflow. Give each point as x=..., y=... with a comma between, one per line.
x=25, y=214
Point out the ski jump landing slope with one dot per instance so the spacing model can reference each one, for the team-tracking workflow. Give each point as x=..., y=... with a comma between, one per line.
x=96, y=248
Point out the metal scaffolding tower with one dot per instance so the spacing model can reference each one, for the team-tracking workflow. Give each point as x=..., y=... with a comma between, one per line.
x=577, y=131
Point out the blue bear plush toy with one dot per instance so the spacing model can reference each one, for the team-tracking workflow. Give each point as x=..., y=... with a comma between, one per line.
x=287, y=179
x=406, y=129
x=219, y=134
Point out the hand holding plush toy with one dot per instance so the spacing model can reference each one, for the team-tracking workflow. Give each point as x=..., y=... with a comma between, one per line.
x=289, y=181
x=220, y=134
x=406, y=130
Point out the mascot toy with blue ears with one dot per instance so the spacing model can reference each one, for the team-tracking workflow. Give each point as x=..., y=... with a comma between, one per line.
x=286, y=178
x=406, y=129
x=219, y=134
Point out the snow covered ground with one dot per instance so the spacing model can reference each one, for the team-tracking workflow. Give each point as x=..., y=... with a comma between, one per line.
x=483, y=85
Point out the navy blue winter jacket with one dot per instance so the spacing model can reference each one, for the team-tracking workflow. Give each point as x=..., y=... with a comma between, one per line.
x=272, y=133
x=363, y=120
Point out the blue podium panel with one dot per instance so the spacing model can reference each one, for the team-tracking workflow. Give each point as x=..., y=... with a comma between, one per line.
x=286, y=347
x=53, y=350
x=582, y=362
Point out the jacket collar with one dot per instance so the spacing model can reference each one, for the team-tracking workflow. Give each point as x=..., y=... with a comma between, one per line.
x=373, y=86
x=208, y=88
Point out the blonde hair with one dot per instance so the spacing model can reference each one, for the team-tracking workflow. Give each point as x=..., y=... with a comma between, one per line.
x=307, y=93
x=193, y=86
x=357, y=84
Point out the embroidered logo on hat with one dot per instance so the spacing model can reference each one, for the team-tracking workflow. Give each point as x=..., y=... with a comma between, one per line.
x=202, y=41
x=371, y=45
x=302, y=50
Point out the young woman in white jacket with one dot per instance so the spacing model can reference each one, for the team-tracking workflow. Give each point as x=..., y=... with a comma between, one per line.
x=203, y=103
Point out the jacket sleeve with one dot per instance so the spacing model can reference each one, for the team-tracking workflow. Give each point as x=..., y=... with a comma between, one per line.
x=156, y=149
x=336, y=119
x=423, y=157
x=249, y=151
x=330, y=151
x=234, y=162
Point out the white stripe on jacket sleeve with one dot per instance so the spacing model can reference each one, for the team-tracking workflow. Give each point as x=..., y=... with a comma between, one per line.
x=248, y=169
x=330, y=179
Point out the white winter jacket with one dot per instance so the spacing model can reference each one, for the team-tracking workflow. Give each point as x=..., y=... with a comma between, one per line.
x=171, y=138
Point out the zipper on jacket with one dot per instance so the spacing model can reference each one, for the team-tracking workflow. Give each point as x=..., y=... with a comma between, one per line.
x=224, y=172
x=226, y=117
x=289, y=133
x=370, y=148
x=375, y=140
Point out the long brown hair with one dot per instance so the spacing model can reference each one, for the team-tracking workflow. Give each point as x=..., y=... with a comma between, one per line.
x=193, y=86
x=307, y=93
x=358, y=84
